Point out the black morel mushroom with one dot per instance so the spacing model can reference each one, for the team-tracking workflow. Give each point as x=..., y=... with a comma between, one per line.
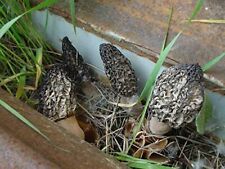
x=70, y=55
x=177, y=98
x=73, y=58
x=119, y=71
x=57, y=98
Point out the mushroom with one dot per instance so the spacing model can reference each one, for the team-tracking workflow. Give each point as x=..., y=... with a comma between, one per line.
x=73, y=58
x=57, y=94
x=177, y=98
x=119, y=70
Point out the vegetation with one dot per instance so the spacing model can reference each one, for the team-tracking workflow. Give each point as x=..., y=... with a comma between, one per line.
x=23, y=52
x=21, y=49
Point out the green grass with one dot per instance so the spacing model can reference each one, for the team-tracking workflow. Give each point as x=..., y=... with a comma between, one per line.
x=196, y=10
x=20, y=66
x=42, y=5
x=204, y=115
x=72, y=14
x=22, y=118
x=21, y=53
x=212, y=62
x=139, y=163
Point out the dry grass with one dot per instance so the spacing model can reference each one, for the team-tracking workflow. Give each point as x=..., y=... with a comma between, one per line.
x=183, y=148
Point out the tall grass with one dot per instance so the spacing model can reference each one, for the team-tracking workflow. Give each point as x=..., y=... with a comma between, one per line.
x=20, y=66
x=21, y=52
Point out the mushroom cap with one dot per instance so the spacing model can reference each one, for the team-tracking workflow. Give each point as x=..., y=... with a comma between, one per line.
x=74, y=60
x=178, y=95
x=119, y=70
x=57, y=98
x=70, y=55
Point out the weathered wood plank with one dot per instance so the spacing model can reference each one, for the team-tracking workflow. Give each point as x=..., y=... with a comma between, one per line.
x=21, y=147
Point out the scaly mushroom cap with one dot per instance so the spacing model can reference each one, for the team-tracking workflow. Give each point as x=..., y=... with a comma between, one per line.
x=70, y=55
x=178, y=95
x=57, y=94
x=119, y=71
x=72, y=58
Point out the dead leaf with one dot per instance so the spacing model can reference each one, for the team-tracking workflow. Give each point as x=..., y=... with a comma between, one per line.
x=72, y=126
x=156, y=147
x=128, y=128
x=158, y=158
x=140, y=139
x=159, y=145
x=90, y=132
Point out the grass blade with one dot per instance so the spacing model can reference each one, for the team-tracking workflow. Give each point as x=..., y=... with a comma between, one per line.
x=21, y=84
x=6, y=27
x=38, y=66
x=197, y=8
x=146, y=165
x=20, y=117
x=10, y=78
x=128, y=158
x=204, y=115
x=42, y=5
x=210, y=21
x=147, y=89
x=167, y=29
x=212, y=62
x=72, y=13
x=140, y=163
x=46, y=20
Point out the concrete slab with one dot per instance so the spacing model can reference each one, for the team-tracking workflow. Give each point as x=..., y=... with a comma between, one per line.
x=140, y=26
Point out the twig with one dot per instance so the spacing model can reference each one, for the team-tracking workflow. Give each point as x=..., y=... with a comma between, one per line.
x=85, y=110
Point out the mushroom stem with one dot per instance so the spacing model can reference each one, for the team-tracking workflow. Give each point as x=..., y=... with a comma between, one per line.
x=157, y=127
